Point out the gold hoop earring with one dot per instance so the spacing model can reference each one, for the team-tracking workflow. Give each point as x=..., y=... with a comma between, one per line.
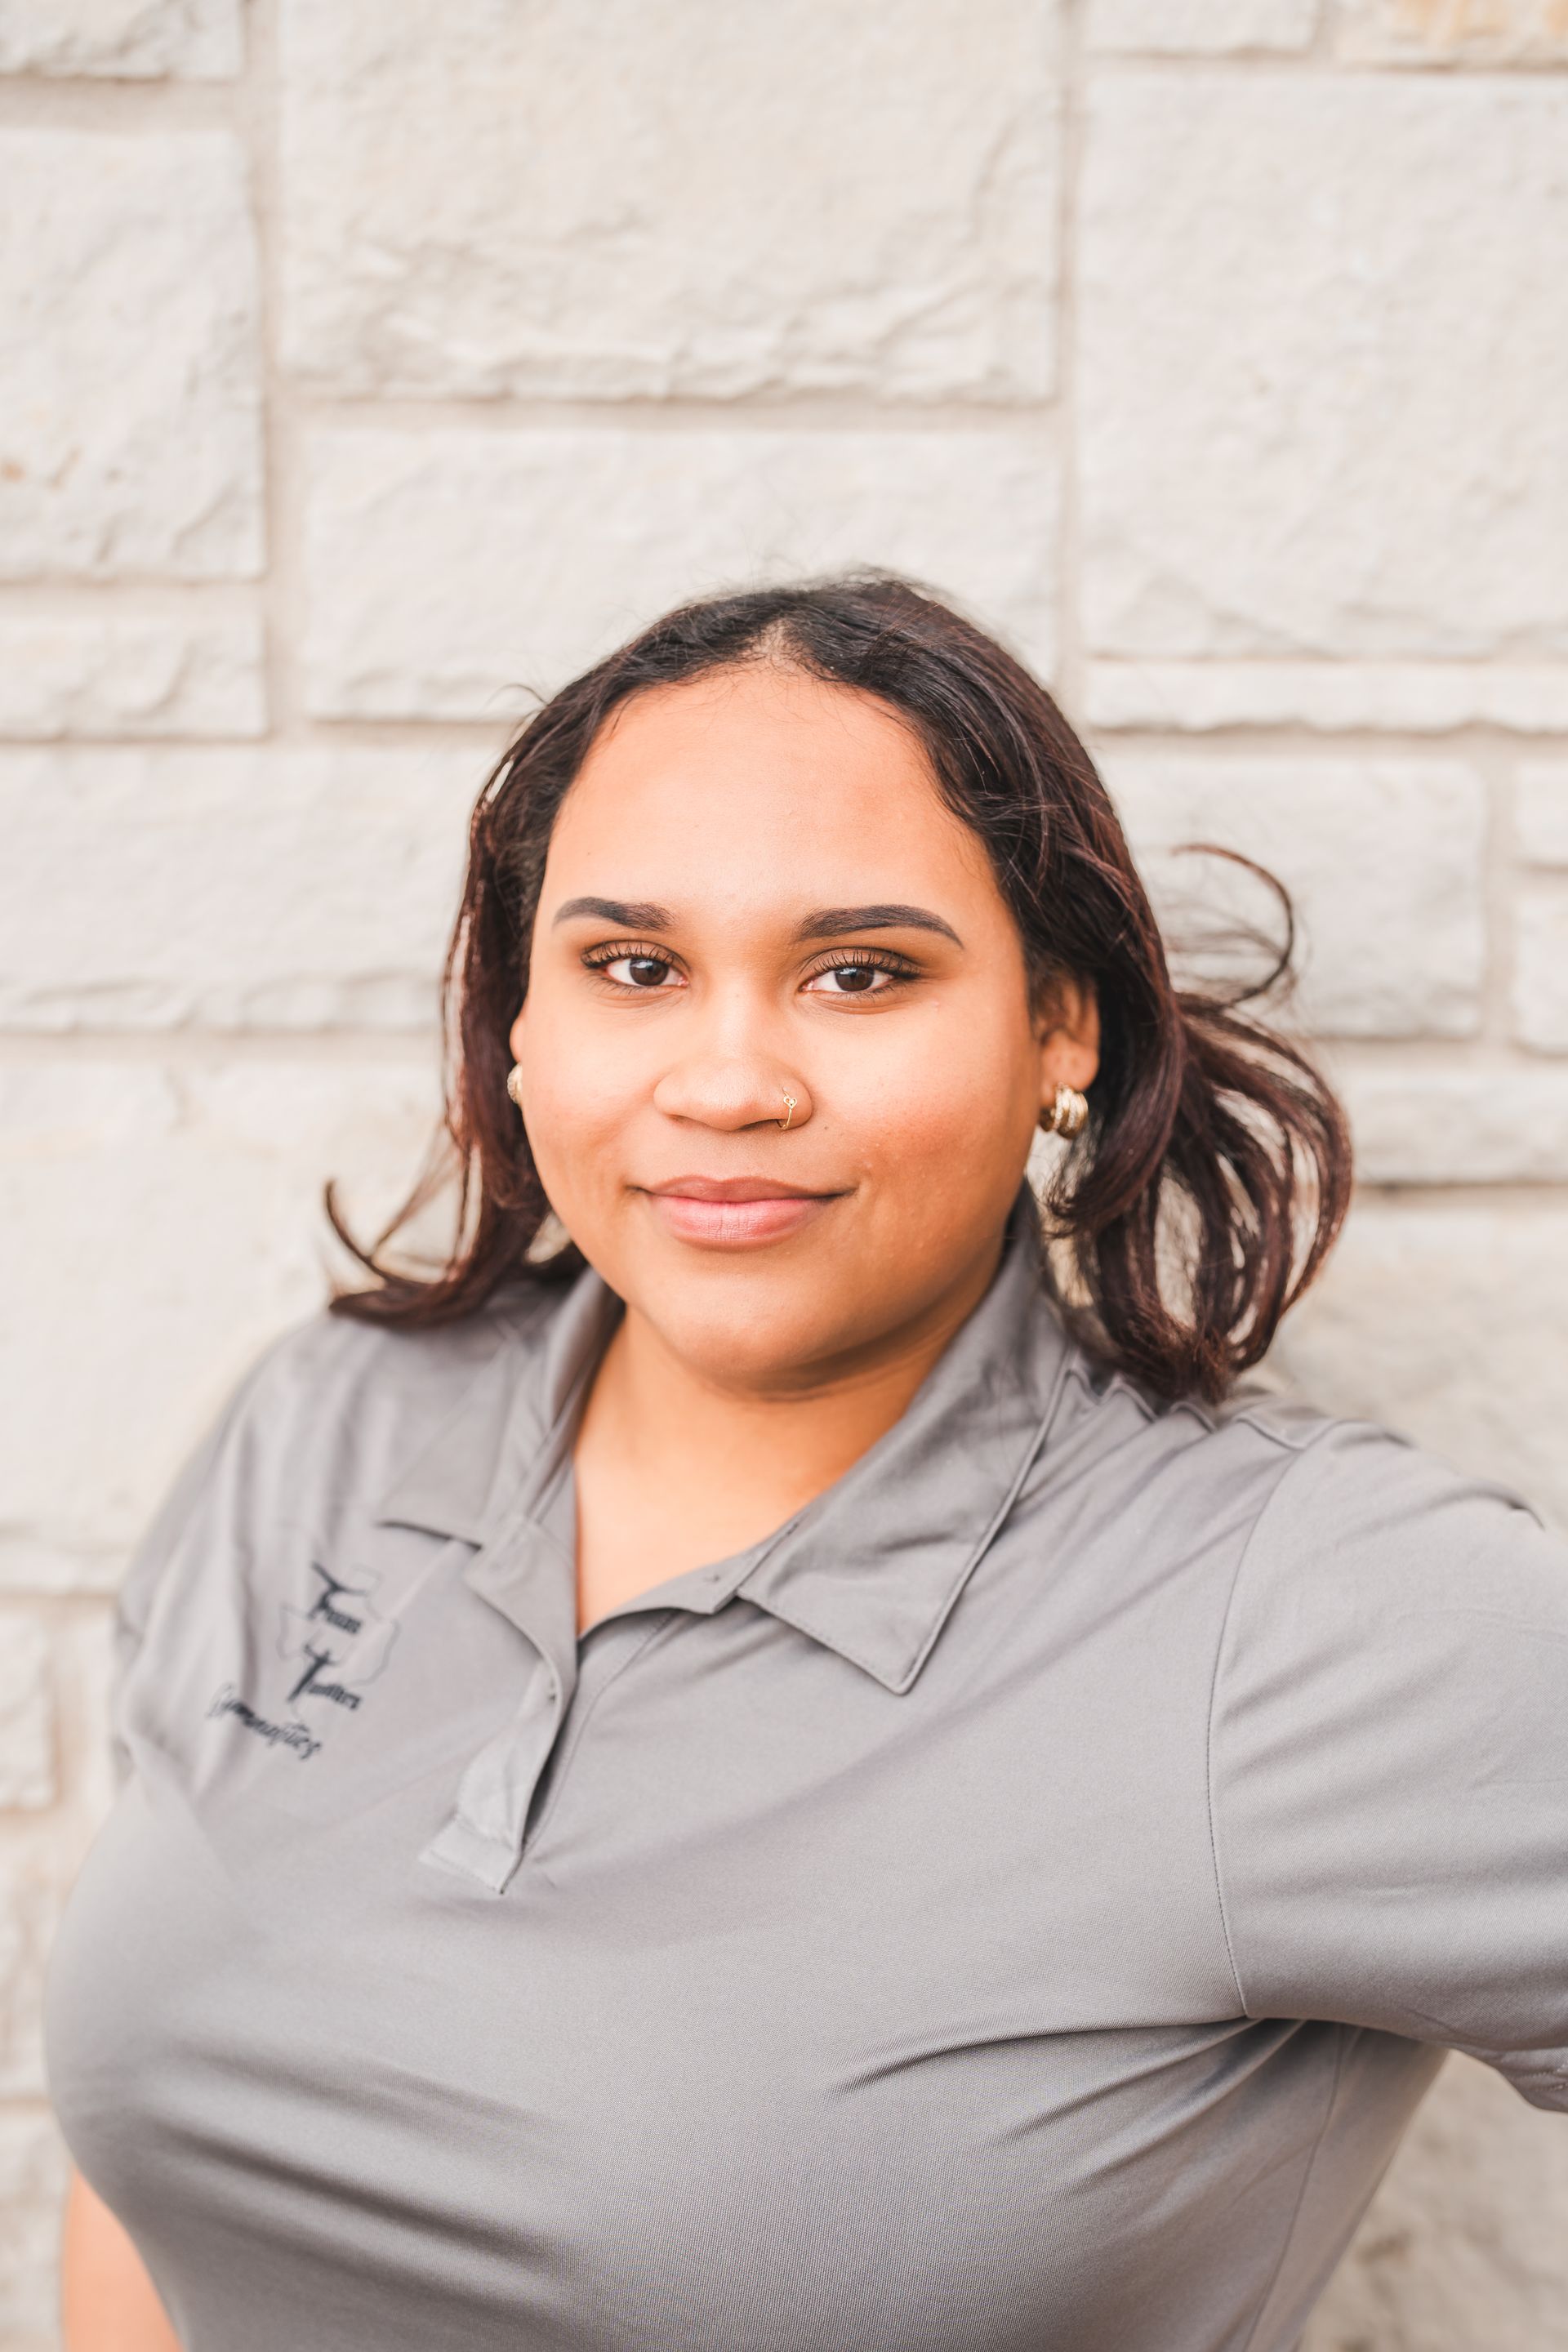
x=789, y=1111
x=1067, y=1113
x=514, y=1083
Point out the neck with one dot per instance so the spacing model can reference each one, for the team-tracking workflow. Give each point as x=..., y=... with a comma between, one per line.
x=714, y=1467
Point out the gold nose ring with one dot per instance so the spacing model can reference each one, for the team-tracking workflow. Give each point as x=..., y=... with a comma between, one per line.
x=789, y=1110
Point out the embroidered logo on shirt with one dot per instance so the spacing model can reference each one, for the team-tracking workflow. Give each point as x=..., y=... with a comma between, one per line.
x=340, y=1642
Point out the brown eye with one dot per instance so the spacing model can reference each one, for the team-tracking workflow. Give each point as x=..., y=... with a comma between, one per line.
x=641, y=971
x=860, y=977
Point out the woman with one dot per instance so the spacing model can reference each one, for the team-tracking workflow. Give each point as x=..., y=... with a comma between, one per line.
x=791, y=1768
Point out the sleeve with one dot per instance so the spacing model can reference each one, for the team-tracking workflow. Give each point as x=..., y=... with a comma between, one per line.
x=1389, y=1758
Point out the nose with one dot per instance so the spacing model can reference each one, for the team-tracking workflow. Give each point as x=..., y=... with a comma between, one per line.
x=730, y=1092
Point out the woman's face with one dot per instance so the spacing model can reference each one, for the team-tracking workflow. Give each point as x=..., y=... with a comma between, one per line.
x=754, y=892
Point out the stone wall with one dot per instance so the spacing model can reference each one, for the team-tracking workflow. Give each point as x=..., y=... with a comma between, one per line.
x=372, y=365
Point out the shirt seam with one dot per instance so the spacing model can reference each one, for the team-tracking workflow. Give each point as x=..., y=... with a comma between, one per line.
x=1293, y=1463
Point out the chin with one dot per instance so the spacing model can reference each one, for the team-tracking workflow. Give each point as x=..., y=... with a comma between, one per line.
x=748, y=1331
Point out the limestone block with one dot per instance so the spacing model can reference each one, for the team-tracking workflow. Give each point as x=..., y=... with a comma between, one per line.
x=130, y=431
x=1454, y=32
x=33, y=2171
x=447, y=567
x=1463, y=2246
x=263, y=888
x=1473, y=1124
x=1543, y=814
x=19, y=1944
x=1416, y=699
x=30, y=1891
x=1541, y=971
x=199, y=1182
x=1383, y=858
x=195, y=40
x=28, y=1777
x=1170, y=27
x=1446, y=1322
x=1321, y=368
x=129, y=674
x=681, y=200
x=33, y=1564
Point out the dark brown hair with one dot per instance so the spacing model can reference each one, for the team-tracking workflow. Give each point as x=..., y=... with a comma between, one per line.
x=1215, y=1169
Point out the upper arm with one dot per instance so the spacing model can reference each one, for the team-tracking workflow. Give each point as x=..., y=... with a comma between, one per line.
x=1391, y=1759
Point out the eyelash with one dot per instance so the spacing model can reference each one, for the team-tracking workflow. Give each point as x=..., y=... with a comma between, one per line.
x=896, y=967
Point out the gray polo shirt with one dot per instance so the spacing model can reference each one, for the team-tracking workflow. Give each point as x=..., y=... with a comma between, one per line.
x=1019, y=1903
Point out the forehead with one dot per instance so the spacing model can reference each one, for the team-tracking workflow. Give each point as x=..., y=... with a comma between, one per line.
x=766, y=776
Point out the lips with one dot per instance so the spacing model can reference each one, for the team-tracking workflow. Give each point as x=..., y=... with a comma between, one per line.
x=734, y=1212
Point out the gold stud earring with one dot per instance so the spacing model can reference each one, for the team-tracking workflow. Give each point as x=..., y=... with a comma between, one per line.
x=1065, y=1113
x=514, y=1083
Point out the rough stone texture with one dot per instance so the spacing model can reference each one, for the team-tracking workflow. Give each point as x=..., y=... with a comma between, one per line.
x=591, y=202
x=198, y=40
x=1473, y=1124
x=26, y=1926
x=265, y=888
x=1382, y=856
x=1543, y=814
x=1446, y=1322
x=1321, y=368
x=1169, y=27
x=1541, y=971
x=130, y=438
x=215, y=1169
x=27, y=1713
x=128, y=673
x=1455, y=32
x=1426, y=699
x=449, y=568
x=1462, y=2249
x=32, y=2179
x=1320, y=452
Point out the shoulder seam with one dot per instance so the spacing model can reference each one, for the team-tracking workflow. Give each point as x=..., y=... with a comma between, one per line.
x=1297, y=1456
x=1254, y=1416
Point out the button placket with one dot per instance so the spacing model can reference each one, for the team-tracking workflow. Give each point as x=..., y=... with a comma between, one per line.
x=523, y=1573
x=484, y=1834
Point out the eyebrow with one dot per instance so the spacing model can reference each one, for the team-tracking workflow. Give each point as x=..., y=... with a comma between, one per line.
x=629, y=914
x=832, y=922
x=827, y=923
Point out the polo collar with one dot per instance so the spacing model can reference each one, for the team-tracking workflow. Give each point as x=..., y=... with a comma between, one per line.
x=870, y=1567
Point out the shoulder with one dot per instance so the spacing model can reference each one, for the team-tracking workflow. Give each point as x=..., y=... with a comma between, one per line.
x=1366, y=1514
x=1301, y=1482
x=1414, y=1607
x=1302, y=1520
x=330, y=1412
x=333, y=1376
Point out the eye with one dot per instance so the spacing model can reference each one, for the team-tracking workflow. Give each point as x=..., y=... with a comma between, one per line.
x=864, y=971
x=632, y=968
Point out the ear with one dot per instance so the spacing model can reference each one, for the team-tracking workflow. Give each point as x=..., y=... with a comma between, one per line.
x=1066, y=1030
x=514, y=1034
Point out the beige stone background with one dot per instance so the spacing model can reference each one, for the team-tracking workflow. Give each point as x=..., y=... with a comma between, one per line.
x=371, y=362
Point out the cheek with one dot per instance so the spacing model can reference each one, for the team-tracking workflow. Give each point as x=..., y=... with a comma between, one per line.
x=940, y=1091
x=576, y=1096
